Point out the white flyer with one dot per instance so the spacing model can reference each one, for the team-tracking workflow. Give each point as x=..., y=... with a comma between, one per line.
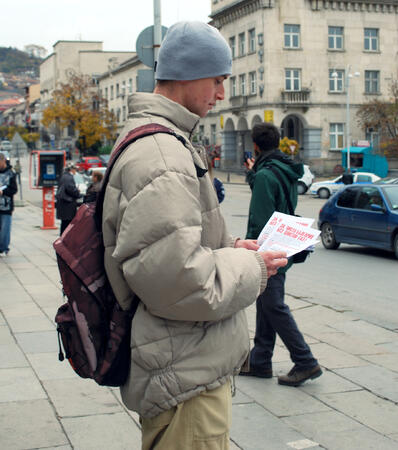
x=276, y=219
x=286, y=233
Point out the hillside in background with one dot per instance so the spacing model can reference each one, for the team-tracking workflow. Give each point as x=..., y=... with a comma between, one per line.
x=17, y=62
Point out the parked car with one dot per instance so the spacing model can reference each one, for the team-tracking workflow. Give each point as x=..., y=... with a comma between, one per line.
x=5, y=145
x=88, y=162
x=363, y=215
x=305, y=182
x=105, y=159
x=81, y=184
x=324, y=189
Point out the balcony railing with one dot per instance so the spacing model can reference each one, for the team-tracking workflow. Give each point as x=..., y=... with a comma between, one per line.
x=296, y=98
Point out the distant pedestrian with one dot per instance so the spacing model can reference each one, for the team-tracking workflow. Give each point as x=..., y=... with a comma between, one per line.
x=8, y=188
x=217, y=183
x=348, y=177
x=94, y=187
x=273, y=315
x=66, y=197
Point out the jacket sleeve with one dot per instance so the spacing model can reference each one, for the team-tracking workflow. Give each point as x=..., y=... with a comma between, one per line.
x=71, y=189
x=159, y=250
x=263, y=202
x=12, y=188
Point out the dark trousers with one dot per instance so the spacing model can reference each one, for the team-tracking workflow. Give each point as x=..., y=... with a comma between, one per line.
x=274, y=317
x=64, y=224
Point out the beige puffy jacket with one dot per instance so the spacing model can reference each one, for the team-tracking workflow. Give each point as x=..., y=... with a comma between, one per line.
x=165, y=239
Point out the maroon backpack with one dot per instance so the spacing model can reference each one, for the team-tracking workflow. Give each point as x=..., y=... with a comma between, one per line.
x=94, y=330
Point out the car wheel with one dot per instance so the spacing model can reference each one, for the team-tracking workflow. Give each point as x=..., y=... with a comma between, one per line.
x=328, y=237
x=301, y=188
x=396, y=246
x=324, y=193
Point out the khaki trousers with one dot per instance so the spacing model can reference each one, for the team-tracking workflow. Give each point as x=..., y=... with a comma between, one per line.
x=201, y=423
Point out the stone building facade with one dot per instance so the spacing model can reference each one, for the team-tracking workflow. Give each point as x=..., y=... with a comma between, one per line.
x=292, y=61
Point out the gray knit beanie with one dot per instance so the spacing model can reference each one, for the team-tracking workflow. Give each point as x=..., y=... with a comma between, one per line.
x=193, y=50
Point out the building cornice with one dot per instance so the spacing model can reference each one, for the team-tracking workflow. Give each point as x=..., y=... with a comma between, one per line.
x=382, y=6
x=238, y=9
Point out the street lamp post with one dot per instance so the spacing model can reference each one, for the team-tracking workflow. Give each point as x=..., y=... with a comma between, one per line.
x=348, y=75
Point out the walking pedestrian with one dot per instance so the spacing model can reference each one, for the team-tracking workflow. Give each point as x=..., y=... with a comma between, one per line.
x=67, y=194
x=273, y=316
x=166, y=241
x=94, y=187
x=8, y=188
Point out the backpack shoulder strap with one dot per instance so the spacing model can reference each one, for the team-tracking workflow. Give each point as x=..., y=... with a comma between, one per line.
x=284, y=187
x=133, y=135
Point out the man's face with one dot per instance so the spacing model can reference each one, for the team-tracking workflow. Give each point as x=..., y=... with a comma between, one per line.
x=3, y=163
x=201, y=95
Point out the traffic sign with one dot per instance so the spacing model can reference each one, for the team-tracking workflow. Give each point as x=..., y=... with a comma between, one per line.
x=144, y=46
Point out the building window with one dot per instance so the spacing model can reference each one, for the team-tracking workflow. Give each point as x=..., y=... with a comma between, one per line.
x=112, y=92
x=335, y=38
x=372, y=81
x=106, y=93
x=292, y=36
x=336, y=133
x=336, y=80
x=242, y=84
x=118, y=115
x=292, y=79
x=213, y=134
x=232, y=82
x=252, y=40
x=123, y=88
x=130, y=85
x=232, y=44
x=117, y=90
x=124, y=113
x=371, y=39
x=242, y=45
x=253, y=83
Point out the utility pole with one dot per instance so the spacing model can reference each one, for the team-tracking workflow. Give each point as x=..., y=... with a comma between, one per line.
x=157, y=29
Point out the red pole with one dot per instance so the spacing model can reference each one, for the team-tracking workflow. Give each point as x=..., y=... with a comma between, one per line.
x=48, y=209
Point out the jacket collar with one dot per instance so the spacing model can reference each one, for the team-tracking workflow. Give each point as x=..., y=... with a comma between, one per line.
x=148, y=104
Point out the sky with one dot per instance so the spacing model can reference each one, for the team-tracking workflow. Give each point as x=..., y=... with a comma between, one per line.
x=115, y=22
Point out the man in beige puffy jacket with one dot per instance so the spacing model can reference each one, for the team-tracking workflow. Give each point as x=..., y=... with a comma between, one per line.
x=166, y=240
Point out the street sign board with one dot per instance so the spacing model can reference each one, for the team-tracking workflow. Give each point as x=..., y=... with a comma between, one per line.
x=144, y=46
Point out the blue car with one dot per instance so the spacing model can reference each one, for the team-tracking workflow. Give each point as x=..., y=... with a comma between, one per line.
x=361, y=215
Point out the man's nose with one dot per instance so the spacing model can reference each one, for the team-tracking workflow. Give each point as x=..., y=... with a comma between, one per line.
x=220, y=92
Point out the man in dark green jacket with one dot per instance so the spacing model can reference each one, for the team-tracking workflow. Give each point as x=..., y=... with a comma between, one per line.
x=273, y=315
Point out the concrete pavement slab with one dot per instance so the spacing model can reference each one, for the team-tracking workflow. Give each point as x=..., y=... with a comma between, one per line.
x=11, y=295
x=387, y=360
x=333, y=358
x=30, y=323
x=371, y=333
x=335, y=431
x=30, y=424
x=27, y=309
x=103, y=431
x=11, y=356
x=31, y=276
x=365, y=408
x=280, y=400
x=296, y=303
x=6, y=338
x=254, y=428
x=380, y=381
x=350, y=344
x=46, y=295
x=240, y=397
x=20, y=384
x=79, y=397
x=38, y=342
x=48, y=367
x=331, y=383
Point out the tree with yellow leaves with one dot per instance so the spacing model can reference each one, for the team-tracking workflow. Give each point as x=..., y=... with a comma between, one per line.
x=289, y=146
x=77, y=103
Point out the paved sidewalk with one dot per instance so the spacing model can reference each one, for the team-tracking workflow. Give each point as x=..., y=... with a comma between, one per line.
x=43, y=404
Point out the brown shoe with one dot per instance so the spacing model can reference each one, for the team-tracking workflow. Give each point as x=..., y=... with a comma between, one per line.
x=255, y=373
x=296, y=377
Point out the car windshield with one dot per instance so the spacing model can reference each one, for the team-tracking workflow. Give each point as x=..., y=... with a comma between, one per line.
x=391, y=192
x=387, y=180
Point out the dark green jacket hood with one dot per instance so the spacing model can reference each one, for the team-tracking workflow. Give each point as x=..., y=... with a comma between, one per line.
x=267, y=193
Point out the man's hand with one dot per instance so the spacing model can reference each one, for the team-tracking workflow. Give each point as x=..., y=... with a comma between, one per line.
x=273, y=261
x=249, y=244
x=249, y=163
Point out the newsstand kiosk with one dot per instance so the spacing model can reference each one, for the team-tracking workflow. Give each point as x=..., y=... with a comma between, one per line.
x=45, y=170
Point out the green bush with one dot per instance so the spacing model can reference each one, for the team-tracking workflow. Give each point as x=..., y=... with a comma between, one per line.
x=105, y=150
